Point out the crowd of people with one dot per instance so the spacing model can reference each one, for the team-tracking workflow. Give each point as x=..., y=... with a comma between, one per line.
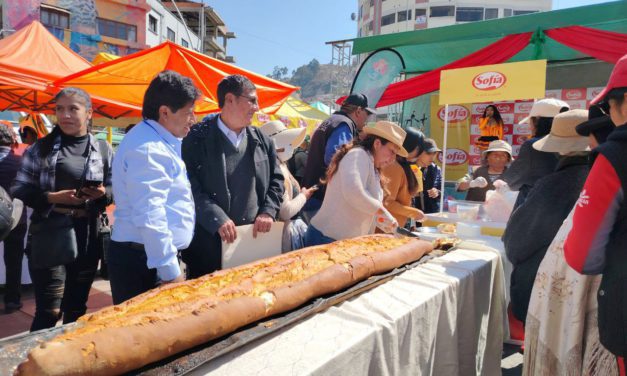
x=182, y=188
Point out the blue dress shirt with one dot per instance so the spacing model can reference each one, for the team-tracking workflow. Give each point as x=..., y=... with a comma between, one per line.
x=153, y=197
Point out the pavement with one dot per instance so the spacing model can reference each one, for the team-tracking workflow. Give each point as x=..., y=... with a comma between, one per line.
x=19, y=321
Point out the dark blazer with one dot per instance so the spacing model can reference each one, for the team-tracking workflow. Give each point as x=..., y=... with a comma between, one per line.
x=533, y=225
x=206, y=167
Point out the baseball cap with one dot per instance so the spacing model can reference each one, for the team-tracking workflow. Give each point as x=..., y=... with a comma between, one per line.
x=548, y=107
x=431, y=146
x=358, y=100
x=618, y=78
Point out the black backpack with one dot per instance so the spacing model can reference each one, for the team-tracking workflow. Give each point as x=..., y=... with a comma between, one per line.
x=7, y=222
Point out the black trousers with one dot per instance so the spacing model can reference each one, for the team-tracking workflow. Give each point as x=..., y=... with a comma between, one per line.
x=204, y=254
x=63, y=290
x=128, y=273
x=13, y=255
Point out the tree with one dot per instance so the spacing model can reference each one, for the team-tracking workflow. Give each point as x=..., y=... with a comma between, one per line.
x=279, y=73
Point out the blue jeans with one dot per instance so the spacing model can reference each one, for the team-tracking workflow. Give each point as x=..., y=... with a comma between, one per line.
x=314, y=237
x=310, y=209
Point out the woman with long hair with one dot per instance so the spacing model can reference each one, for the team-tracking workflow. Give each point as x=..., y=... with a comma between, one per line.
x=66, y=178
x=402, y=183
x=294, y=197
x=491, y=127
x=353, y=203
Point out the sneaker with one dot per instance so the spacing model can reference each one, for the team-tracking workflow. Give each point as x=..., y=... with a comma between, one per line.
x=11, y=307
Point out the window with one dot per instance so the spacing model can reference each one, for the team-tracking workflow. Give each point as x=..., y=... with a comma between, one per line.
x=404, y=15
x=184, y=43
x=388, y=20
x=119, y=30
x=507, y=12
x=152, y=23
x=468, y=14
x=54, y=17
x=521, y=12
x=370, y=26
x=171, y=35
x=420, y=12
x=491, y=13
x=371, y=3
x=443, y=11
x=361, y=12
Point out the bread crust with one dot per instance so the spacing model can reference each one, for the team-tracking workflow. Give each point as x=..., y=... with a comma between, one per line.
x=174, y=327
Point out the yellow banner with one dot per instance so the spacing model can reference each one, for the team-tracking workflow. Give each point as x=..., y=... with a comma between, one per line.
x=458, y=136
x=487, y=83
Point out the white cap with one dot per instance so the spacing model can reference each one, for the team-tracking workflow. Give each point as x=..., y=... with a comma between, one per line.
x=548, y=107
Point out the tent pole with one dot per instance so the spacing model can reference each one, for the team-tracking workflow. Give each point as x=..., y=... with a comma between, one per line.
x=110, y=135
x=444, y=158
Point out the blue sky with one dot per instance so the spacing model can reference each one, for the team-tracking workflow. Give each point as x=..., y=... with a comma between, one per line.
x=292, y=32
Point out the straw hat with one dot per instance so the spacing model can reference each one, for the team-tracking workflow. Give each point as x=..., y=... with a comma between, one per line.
x=548, y=107
x=498, y=145
x=389, y=131
x=564, y=137
x=282, y=136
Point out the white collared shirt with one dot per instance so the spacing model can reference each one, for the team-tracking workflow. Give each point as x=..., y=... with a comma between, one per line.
x=235, y=138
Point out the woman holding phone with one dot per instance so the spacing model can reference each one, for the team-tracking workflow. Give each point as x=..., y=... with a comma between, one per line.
x=65, y=177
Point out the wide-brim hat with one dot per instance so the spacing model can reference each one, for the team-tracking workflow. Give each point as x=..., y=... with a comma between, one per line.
x=618, y=78
x=597, y=121
x=498, y=145
x=390, y=132
x=282, y=136
x=564, y=137
x=548, y=107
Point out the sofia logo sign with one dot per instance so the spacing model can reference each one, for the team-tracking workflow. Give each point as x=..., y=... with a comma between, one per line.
x=504, y=107
x=455, y=113
x=454, y=157
x=489, y=80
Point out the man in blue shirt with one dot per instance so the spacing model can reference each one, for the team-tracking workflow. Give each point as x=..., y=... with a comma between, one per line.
x=339, y=129
x=154, y=215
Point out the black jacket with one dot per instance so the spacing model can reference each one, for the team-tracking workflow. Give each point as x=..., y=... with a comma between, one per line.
x=533, y=225
x=612, y=295
x=530, y=166
x=205, y=161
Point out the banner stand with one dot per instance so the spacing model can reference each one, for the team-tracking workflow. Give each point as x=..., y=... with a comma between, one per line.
x=445, y=138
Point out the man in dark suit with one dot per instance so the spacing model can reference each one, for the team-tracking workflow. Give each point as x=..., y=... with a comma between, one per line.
x=235, y=175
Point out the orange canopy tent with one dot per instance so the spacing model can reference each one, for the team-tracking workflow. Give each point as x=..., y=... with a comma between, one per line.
x=126, y=79
x=30, y=60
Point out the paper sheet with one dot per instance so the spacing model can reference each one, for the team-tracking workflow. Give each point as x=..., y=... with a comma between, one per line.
x=247, y=249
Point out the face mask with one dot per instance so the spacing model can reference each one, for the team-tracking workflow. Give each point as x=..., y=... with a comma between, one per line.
x=286, y=154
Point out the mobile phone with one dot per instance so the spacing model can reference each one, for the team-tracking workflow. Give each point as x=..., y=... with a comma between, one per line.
x=92, y=183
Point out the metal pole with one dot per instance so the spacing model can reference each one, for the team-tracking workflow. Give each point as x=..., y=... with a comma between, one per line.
x=444, y=158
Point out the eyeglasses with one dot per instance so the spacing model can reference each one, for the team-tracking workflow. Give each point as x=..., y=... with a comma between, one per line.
x=252, y=100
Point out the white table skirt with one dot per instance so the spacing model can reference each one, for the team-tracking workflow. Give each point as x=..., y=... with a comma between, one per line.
x=445, y=317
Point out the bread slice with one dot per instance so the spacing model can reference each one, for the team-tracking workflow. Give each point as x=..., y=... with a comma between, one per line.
x=176, y=317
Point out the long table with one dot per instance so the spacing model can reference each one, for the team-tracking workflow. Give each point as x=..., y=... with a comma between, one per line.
x=446, y=317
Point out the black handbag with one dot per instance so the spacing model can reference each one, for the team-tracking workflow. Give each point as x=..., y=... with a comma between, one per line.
x=53, y=238
x=53, y=242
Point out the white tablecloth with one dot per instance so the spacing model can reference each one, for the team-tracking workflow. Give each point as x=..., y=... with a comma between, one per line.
x=445, y=317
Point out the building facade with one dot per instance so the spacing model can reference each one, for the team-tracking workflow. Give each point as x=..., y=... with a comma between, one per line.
x=207, y=24
x=164, y=25
x=121, y=27
x=86, y=26
x=375, y=17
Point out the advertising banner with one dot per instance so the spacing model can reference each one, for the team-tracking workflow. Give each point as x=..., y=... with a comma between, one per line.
x=459, y=118
x=499, y=82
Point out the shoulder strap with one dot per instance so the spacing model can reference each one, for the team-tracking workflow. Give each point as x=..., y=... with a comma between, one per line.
x=104, y=148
